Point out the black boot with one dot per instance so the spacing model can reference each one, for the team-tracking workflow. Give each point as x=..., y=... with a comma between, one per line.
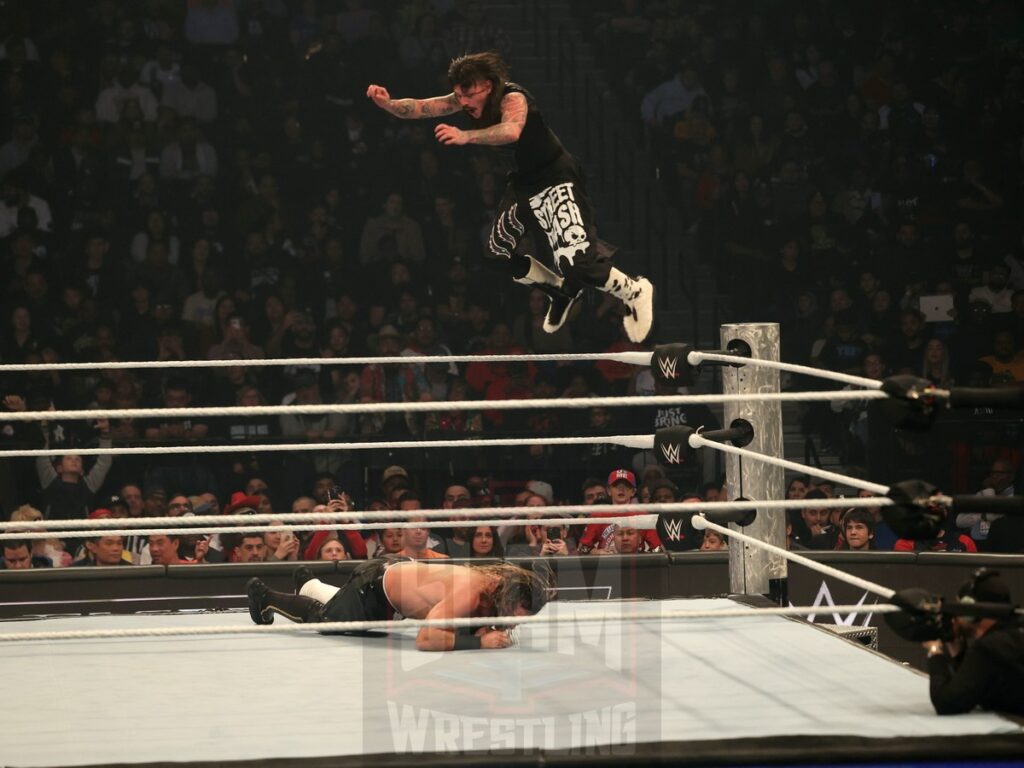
x=265, y=602
x=560, y=302
x=300, y=576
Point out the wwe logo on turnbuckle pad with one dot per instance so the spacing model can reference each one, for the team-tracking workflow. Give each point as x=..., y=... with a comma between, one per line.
x=668, y=367
x=673, y=528
x=672, y=453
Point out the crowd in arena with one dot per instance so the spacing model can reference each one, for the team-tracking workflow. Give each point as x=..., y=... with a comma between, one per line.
x=859, y=165
x=206, y=180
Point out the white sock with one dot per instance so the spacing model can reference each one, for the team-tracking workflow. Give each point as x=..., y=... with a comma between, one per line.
x=319, y=591
x=540, y=274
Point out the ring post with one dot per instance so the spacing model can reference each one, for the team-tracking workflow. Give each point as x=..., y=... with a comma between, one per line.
x=755, y=571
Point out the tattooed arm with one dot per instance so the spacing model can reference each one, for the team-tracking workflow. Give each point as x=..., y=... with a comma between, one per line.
x=513, y=118
x=413, y=109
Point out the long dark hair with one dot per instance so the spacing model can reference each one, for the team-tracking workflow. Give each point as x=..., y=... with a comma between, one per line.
x=471, y=67
x=518, y=587
x=497, y=550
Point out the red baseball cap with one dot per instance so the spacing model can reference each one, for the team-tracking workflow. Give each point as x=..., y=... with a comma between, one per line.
x=622, y=476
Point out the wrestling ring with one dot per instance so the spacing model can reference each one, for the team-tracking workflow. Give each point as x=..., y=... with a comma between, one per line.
x=171, y=670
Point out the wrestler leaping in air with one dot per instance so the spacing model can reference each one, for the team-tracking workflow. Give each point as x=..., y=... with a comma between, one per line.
x=546, y=192
x=381, y=588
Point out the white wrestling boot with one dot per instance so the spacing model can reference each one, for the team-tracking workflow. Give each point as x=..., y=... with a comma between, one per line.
x=638, y=296
x=560, y=301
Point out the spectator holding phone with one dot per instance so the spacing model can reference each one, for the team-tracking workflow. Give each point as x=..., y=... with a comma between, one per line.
x=281, y=545
x=338, y=500
x=542, y=541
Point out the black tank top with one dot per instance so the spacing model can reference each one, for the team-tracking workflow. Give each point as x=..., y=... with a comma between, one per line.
x=538, y=147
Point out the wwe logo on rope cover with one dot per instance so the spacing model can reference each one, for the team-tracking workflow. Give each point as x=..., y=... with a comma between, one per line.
x=672, y=453
x=668, y=367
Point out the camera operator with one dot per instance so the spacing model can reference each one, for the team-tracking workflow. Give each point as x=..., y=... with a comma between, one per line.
x=981, y=660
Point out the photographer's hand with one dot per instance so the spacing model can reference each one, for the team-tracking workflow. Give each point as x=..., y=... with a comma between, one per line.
x=934, y=647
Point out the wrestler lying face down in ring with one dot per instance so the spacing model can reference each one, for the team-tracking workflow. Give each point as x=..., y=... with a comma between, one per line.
x=399, y=588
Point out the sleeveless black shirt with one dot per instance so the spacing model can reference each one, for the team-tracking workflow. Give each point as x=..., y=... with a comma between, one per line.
x=538, y=147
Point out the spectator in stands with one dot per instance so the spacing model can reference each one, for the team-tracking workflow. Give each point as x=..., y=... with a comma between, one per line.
x=485, y=542
x=457, y=540
x=17, y=556
x=69, y=491
x=49, y=551
x=1000, y=482
x=104, y=551
x=303, y=505
x=391, y=236
x=164, y=549
x=858, y=530
x=1006, y=362
x=621, y=489
x=251, y=549
x=416, y=541
x=594, y=491
x=312, y=428
x=628, y=541
x=883, y=537
x=391, y=542
x=281, y=545
x=188, y=473
x=797, y=488
x=713, y=541
x=906, y=354
x=541, y=541
x=235, y=344
x=811, y=528
x=125, y=97
x=997, y=291
x=936, y=364
x=190, y=97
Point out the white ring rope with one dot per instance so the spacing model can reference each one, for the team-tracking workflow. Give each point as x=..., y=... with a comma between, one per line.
x=701, y=523
x=696, y=357
x=630, y=358
x=696, y=441
x=435, y=405
x=454, y=515
x=641, y=522
x=640, y=442
x=383, y=626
